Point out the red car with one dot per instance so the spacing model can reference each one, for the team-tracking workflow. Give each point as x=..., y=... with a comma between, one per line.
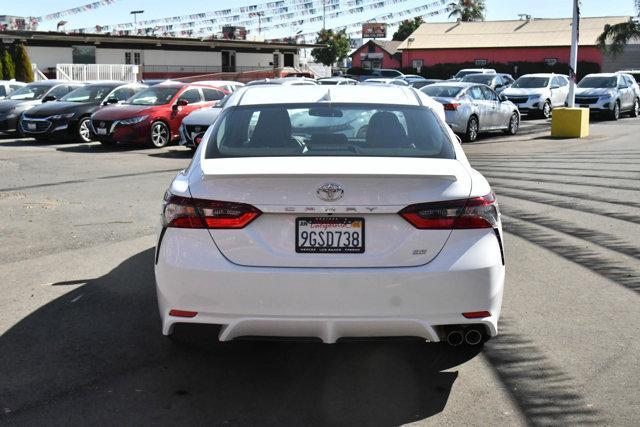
x=154, y=115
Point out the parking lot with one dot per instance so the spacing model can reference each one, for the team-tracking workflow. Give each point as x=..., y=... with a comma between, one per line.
x=80, y=334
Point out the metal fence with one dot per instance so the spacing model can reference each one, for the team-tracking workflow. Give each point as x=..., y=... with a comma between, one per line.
x=84, y=72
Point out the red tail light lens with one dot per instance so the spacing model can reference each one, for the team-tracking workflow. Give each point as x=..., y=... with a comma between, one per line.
x=477, y=212
x=187, y=212
x=452, y=106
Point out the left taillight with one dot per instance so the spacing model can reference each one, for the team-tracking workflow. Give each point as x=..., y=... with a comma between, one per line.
x=475, y=212
x=187, y=212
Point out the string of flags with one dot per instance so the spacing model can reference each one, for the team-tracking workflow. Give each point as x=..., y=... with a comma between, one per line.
x=31, y=22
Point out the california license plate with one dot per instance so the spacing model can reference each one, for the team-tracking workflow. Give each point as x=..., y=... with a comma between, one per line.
x=31, y=126
x=101, y=131
x=329, y=235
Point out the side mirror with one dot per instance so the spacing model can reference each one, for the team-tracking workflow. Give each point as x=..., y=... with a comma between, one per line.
x=48, y=98
x=555, y=87
x=110, y=101
x=503, y=98
x=180, y=103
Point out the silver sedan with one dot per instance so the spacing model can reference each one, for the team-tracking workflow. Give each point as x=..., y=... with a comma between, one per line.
x=474, y=108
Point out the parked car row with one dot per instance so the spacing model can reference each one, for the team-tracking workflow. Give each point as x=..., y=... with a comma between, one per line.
x=474, y=101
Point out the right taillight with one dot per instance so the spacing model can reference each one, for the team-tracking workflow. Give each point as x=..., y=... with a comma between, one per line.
x=476, y=212
x=187, y=212
x=452, y=106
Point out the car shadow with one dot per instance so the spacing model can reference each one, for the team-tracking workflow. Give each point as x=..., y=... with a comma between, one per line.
x=179, y=153
x=96, y=353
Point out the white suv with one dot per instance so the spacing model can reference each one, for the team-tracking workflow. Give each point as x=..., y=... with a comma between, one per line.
x=609, y=93
x=538, y=94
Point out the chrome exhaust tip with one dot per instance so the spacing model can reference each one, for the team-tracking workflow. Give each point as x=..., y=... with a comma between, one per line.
x=473, y=336
x=455, y=338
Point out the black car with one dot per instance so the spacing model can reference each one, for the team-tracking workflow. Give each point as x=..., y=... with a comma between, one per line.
x=70, y=116
x=29, y=96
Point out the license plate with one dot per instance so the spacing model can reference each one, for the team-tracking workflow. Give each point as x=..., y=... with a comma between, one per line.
x=329, y=235
x=101, y=131
x=31, y=126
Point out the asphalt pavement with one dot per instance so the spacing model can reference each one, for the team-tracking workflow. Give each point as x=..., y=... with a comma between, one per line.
x=80, y=338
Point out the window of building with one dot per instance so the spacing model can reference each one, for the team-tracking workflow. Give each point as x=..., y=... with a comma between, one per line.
x=551, y=61
x=417, y=64
x=366, y=64
x=371, y=48
x=84, y=54
x=481, y=62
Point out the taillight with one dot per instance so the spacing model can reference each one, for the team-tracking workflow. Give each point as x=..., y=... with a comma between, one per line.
x=187, y=212
x=476, y=212
x=452, y=106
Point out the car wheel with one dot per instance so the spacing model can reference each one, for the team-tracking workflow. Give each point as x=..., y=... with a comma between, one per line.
x=546, y=110
x=514, y=124
x=84, y=134
x=159, y=136
x=472, y=129
x=615, y=113
x=635, y=112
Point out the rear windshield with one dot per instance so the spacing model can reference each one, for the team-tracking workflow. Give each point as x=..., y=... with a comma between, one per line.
x=89, y=93
x=30, y=92
x=154, y=96
x=598, y=82
x=531, y=82
x=442, y=91
x=329, y=130
x=485, y=79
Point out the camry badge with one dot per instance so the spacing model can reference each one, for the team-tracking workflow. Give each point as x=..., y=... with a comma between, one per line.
x=330, y=192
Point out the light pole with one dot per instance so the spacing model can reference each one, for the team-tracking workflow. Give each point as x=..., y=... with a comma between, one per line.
x=573, y=58
x=135, y=14
x=324, y=14
x=259, y=15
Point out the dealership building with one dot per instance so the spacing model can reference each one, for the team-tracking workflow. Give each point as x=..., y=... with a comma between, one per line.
x=531, y=40
x=156, y=57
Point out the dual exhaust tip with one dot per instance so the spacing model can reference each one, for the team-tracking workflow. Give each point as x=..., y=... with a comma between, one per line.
x=471, y=336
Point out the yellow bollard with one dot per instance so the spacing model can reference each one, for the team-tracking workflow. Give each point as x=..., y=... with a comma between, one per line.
x=570, y=123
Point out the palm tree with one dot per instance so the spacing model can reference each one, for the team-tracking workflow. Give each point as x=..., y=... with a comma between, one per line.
x=615, y=37
x=468, y=10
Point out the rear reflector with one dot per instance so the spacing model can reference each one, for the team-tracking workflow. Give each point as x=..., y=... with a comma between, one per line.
x=182, y=313
x=187, y=212
x=477, y=212
x=476, y=314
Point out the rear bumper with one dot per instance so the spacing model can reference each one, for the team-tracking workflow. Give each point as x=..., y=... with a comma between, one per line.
x=329, y=303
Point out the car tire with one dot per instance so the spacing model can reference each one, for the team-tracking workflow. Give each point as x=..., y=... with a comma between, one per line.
x=546, y=110
x=83, y=134
x=473, y=128
x=615, y=113
x=514, y=124
x=635, y=111
x=159, y=135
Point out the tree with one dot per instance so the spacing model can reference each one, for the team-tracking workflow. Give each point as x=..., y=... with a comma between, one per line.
x=468, y=10
x=23, y=68
x=336, y=47
x=407, y=27
x=614, y=38
x=8, y=69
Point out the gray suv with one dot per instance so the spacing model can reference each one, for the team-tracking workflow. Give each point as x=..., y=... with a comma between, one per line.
x=609, y=93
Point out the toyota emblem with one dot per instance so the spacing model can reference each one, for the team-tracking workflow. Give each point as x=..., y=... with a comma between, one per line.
x=330, y=192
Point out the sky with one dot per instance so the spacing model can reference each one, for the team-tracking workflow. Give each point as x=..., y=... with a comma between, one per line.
x=119, y=11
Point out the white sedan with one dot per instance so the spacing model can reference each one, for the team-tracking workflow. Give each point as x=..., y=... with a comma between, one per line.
x=331, y=212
